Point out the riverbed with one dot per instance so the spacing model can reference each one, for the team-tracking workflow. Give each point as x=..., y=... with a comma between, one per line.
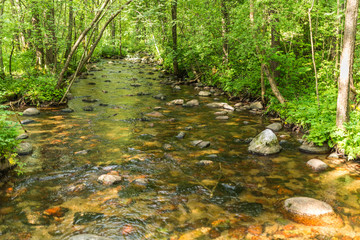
x=171, y=188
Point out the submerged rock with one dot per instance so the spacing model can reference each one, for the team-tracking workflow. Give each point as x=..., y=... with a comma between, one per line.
x=176, y=102
x=27, y=121
x=317, y=165
x=31, y=112
x=265, y=143
x=312, y=148
x=88, y=108
x=200, y=143
x=67, y=110
x=160, y=96
x=181, y=135
x=154, y=114
x=275, y=127
x=222, y=118
x=24, y=148
x=310, y=211
x=22, y=136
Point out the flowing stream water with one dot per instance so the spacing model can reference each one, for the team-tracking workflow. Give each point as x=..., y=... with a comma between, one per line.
x=167, y=191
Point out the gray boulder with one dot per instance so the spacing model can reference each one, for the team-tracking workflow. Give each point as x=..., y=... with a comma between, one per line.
x=275, y=127
x=31, y=112
x=88, y=237
x=317, y=165
x=265, y=143
x=24, y=148
x=312, y=148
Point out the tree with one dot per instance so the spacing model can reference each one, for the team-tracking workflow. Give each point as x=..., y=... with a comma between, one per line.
x=174, y=36
x=346, y=62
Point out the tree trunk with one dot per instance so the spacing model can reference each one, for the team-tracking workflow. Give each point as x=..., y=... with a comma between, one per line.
x=120, y=36
x=273, y=85
x=2, y=71
x=346, y=62
x=77, y=43
x=225, y=22
x=313, y=54
x=174, y=36
x=50, y=37
x=70, y=29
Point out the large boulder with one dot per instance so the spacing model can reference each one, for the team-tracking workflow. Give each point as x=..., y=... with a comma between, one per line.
x=265, y=143
x=310, y=211
x=31, y=112
x=312, y=148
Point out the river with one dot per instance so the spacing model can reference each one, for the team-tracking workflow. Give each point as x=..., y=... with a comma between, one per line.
x=167, y=190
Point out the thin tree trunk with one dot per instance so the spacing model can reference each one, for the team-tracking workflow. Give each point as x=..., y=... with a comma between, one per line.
x=337, y=48
x=225, y=22
x=2, y=71
x=50, y=37
x=120, y=35
x=313, y=54
x=346, y=62
x=273, y=85
x=77, y=43
x=174, y=35
x=70, y=29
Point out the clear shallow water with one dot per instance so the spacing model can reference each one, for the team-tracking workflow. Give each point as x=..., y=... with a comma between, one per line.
x=165, y=193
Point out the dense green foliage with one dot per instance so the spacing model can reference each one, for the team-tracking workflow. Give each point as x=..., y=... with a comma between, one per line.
x=223, y=43
x=8, y=134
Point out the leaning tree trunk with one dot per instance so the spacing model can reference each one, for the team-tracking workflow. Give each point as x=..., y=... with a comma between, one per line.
x=77, y=43
x=346, y=62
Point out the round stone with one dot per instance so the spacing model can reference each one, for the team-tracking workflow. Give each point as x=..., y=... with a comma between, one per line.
x=310, y=211
x=317, y=165
x=24, y=148
x=31, y=112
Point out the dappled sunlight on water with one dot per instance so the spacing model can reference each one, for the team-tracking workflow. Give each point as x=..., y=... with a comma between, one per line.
x=167, y=191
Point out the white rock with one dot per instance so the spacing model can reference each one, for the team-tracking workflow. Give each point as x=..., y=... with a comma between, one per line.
x=307, y=206
x=108, y=179
x=204, y=93
x=31, y=112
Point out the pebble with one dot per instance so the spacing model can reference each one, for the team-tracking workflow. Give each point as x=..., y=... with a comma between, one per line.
x=181, y=135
